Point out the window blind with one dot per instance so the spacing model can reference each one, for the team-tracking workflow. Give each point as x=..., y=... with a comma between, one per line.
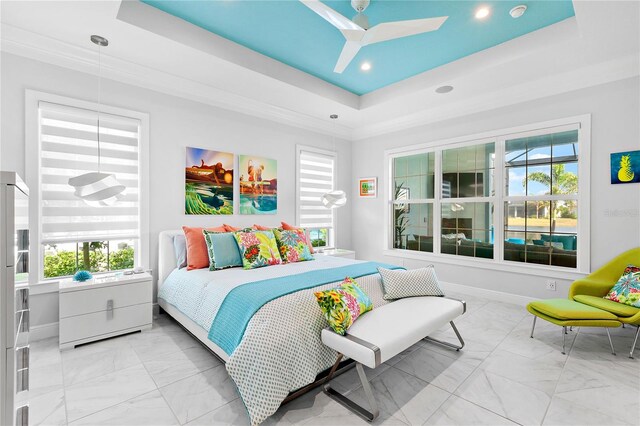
x=68, y=148
x=316, y=176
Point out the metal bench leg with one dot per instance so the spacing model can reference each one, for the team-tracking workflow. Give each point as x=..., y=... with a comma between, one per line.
x=635, y=340
x=346, y=402
x=447, y=344
x=613, y=351
x=533, y=327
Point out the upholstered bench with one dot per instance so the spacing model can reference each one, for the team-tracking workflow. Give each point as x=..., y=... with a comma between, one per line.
x=383, y=333
x=569, y=313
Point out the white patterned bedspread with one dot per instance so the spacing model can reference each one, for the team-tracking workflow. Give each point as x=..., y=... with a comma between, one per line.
x=281, y=350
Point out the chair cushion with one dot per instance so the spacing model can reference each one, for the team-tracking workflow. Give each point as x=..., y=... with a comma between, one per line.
x=616, y=308
x=400, y=283
x=565, y=309
x=627, y=289
x=569, y=242
x=394, y=327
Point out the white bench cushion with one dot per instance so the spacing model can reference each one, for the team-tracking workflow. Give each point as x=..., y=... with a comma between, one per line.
x=393, y=328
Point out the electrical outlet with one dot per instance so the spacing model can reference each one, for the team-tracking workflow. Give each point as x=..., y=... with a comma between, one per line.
x=551, y=285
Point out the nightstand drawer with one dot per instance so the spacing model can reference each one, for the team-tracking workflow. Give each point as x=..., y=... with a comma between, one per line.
x=91, y=300
x=94, y=325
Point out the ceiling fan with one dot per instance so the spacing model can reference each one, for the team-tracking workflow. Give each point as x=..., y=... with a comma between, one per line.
x=358, y=34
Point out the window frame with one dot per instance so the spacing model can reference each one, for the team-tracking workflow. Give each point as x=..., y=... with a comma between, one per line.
x=32, y=175
x=331, y=232
x=582, y=123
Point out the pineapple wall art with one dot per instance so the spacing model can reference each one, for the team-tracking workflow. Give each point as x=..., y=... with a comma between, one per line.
x=625, y=167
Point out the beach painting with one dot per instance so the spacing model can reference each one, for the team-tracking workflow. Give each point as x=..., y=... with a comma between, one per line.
x=258, y=185
x=208, y=182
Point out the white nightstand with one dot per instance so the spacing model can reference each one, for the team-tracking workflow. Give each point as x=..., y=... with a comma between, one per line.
x=104, y=307
x=349, y=254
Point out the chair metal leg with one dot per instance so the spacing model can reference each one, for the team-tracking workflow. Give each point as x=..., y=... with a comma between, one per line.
x=533, y=327
x=447, y=344
x=346, y=402
x=635, y=340
x=613, y=351
x=564, y=338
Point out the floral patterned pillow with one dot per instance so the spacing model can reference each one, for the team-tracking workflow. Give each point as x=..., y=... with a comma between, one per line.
x=258, y=248
x=343, y=305
x=293, y=245
x=627, y=289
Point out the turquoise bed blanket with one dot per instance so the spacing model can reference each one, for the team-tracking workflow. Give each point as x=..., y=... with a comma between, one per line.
x=244, y=301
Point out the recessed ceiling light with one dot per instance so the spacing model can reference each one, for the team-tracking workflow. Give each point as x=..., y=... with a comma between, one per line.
x=444, y=89
x=518, y=11
x=365, y=66
x=482, y=12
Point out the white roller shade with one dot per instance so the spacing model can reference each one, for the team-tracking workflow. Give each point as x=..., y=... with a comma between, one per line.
x=68, y=148
x=316, y=176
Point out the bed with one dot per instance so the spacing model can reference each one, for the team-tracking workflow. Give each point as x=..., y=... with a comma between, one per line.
x=270, y=345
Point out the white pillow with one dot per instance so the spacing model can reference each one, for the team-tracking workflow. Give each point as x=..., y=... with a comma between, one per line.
x=400, y=283
x=180, y=247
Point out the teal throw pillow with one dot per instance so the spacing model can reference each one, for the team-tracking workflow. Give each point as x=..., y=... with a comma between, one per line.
x=222, y=249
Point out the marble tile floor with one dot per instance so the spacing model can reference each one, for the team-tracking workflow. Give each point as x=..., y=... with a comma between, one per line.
x=165, y=377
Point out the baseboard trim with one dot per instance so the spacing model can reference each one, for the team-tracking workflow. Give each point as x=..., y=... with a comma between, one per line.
x=499, y=296
x=43, y=331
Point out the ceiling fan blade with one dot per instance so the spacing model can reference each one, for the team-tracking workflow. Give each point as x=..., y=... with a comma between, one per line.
x=330, y=15
x=392, y=30
x=349, y=51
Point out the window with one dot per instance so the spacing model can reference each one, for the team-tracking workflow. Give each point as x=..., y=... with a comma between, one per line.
x=511, y=197
x=73, y=234
x=541, y=214
x=316, y=175
x=467, y=200
x=413, y=197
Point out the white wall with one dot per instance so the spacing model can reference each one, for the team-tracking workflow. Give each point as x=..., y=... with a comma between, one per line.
x=615, y=209
x=174, y=124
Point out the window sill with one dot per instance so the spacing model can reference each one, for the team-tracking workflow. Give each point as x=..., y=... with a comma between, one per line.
x=496, y=265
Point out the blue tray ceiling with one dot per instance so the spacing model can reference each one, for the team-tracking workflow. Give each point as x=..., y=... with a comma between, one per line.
x=291, y=33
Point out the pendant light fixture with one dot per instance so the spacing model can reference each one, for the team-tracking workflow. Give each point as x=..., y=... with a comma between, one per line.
x=97, y=188
x=336, y=198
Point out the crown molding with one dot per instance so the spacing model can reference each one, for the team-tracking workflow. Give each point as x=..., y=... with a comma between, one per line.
x=594, y=75
x=46, y=49
x=20, y=42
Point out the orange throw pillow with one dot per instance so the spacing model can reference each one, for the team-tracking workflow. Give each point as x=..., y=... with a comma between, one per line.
x=197, y=256
x=288, y=227
x=230, y=228
x=262, y=228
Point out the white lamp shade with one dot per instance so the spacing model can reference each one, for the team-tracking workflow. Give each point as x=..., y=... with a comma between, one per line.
x=334, y=199
x=97, y=188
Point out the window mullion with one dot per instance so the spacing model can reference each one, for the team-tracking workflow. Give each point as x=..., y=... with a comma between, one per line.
x=437, y=196
x=498, y=209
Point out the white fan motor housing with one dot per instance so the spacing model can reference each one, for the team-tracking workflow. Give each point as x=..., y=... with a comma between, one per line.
x=360, y=5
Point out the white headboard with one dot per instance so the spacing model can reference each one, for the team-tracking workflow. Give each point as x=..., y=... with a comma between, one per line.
x=167, y=255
